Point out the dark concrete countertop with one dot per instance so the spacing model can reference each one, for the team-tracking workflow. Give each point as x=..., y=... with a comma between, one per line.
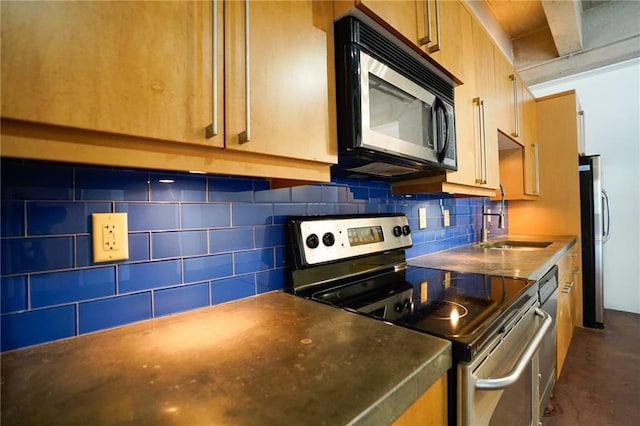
x=273, y=359
x=512, y=263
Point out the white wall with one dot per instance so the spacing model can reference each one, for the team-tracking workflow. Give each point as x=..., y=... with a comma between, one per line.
x=610, y=98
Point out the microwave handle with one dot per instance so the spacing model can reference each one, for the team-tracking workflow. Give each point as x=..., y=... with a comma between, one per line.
x=438, y=105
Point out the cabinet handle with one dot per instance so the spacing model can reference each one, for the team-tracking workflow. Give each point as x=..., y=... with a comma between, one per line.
x=516, y=106
x=436, y=46
x=246, y=135
x=567, y=288
x=427, y=38
x=483, y=149
x=536, y=162
x=212, y=130
x=581, y=136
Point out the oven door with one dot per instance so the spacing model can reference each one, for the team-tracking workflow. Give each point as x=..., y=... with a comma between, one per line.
x=401, y=118
x=500, y=386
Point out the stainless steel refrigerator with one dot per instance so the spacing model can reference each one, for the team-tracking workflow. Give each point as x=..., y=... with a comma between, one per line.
x=595, y=224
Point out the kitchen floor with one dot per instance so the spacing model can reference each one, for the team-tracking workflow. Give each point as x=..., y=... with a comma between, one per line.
x=600, y=381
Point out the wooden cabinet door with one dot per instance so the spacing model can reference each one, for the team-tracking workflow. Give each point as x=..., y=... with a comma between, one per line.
x=504, y=94
x=135, y=68
x=399, y=14
x=530, y=141
x=446, y=41
x=288, y=96
x=429, y=409
x=488, y=170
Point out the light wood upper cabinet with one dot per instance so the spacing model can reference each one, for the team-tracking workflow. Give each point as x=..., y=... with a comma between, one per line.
x=133, y=68
x=516, y=119
x=101, y=73
x=289, y=92
x=439, y=26
x=505, y=94
x=401, y=15
x=530, y=141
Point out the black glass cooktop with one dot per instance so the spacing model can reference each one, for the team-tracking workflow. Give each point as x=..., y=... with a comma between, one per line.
x=464, y=308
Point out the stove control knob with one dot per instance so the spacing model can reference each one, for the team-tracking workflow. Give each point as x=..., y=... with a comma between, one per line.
x=408, y=305
x=397, y=230
x=399, y=307
x=313, y=241
x=406, y=230
x=328, y=239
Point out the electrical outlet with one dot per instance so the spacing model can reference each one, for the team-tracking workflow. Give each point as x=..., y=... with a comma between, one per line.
x=447, y=219
x=447, y=279
x=422, y=216
x=424, y=287
x=110, y=235
x=488, y=217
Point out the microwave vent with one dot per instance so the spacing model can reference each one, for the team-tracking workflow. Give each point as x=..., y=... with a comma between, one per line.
x=401, y=61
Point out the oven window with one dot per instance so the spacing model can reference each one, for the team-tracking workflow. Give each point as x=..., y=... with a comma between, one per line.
x=395, y=113
x=365, y=235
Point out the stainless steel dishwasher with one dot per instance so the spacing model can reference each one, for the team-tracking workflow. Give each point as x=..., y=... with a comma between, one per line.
x=548, y=293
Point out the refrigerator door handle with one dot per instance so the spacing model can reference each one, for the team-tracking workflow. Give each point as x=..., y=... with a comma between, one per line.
x=605, y=229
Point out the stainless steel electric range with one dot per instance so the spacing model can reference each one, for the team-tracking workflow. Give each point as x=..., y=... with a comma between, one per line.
x=358, y=263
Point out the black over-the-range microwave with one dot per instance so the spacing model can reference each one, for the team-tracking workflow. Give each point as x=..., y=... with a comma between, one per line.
x=395, y=109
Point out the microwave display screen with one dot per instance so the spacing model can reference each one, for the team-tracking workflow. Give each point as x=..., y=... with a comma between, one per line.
x=395, y=113
x=365, y=235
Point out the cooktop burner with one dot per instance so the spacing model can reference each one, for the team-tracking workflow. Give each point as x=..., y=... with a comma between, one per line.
x=448, y=311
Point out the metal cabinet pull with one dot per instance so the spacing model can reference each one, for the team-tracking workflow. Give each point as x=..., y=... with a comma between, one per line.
x=436, y=47
x=483, y=142
x=246, y=135
x=516, y=106
x=525, y=358
x=427, y=38
x=567, y=288
x=536, y=162
x=581, y=136
x=212, y=130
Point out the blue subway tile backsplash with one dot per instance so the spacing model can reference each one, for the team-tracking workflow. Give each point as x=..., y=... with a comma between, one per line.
x=194, y=241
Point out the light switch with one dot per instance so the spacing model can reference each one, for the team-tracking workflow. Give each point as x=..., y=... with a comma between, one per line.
x=422, y=216
x=110, y=235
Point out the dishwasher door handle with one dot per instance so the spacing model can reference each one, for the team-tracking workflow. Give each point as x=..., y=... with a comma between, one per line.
x=525, y=358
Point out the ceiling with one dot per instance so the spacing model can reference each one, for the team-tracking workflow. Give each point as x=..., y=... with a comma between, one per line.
x=553, y=39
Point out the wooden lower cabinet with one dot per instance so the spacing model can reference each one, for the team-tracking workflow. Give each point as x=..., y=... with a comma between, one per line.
x=569, y=298
x=430, y=409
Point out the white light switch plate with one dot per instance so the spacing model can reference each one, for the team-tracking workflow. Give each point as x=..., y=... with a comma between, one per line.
x=447, y=219
x=110, y=235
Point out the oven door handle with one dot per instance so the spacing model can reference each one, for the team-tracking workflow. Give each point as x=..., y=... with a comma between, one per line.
x=525, y=358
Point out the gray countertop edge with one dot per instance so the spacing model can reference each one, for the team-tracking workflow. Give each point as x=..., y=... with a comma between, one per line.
x=397, y=400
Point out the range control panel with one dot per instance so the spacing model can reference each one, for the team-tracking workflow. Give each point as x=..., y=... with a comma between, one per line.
x=332, y=238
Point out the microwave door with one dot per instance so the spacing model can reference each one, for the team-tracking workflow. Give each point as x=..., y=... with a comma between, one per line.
x=396, y=113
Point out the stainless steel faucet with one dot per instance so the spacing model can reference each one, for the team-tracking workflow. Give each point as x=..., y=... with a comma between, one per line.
x=485, y=230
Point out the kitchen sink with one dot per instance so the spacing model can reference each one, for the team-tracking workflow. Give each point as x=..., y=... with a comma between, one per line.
x=515, y=245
